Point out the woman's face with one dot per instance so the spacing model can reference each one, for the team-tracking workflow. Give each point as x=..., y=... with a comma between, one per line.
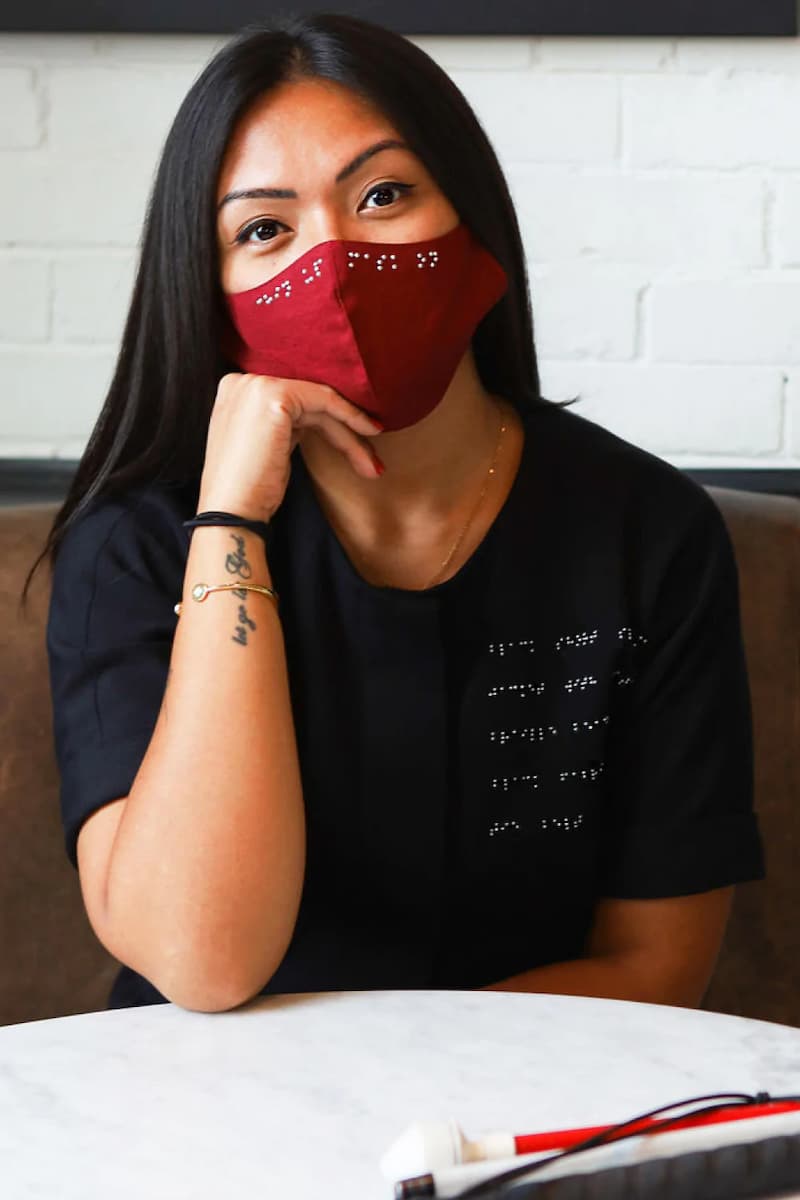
x=285, y=156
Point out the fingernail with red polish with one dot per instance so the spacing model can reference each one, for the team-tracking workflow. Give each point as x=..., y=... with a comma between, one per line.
x=379, y=467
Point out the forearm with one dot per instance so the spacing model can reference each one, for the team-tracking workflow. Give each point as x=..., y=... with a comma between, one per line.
x=610, y=977
x=207, y=868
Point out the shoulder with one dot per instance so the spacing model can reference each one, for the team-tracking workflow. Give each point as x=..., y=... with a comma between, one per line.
x=614, y=476
x=111, y=525
x=118, y=557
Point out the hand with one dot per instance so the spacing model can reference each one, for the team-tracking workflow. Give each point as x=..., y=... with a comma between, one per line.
x=255, y=425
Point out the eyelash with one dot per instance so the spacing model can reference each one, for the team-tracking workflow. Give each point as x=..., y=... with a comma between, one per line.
x=244, y=234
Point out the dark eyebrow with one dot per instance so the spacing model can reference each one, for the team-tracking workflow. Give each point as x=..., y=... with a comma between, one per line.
x=290, y=194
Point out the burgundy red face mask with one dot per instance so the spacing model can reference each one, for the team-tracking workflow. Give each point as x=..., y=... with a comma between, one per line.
x=385, y=323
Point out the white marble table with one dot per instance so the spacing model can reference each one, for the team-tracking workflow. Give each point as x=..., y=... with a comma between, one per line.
x=294, y=1097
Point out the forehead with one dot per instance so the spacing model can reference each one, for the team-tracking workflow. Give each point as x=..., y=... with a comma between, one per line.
x=297, y=126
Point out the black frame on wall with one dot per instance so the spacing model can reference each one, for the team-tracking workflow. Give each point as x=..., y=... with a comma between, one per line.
x=642, y=18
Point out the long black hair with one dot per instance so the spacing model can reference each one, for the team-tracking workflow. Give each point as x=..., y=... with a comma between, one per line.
x=154, y=422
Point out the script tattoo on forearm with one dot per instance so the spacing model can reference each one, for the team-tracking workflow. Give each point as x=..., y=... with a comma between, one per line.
x=236, y=563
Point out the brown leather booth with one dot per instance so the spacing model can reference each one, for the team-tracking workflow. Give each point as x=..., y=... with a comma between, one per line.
x=51, y=963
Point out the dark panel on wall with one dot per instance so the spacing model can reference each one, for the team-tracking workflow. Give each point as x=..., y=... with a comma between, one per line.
x=778, y=482
x=37, y=481
x=547, y=17
x=34, y=481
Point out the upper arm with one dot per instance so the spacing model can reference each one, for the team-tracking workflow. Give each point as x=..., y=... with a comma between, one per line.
x=94, y=847
x=680, y=818
x=670, y=943
x=109, y=637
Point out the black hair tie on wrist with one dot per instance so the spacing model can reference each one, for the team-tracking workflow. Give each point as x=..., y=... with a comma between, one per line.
x=226, y=518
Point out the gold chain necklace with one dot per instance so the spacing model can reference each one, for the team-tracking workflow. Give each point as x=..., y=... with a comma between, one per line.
x=470, y=518
x=475, y=508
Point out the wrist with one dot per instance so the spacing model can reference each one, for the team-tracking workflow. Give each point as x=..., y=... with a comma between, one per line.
x=228, y=520
x=239, y=508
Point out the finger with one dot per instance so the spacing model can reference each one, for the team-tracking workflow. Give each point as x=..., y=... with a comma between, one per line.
x=320, y=398
x=361, y=455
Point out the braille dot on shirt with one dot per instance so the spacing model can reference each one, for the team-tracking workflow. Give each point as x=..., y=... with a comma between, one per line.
x=502, y=827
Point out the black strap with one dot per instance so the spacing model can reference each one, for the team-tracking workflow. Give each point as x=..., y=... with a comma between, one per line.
x=226, y=518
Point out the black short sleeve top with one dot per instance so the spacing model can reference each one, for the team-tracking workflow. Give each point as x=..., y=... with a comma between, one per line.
x=566, y=718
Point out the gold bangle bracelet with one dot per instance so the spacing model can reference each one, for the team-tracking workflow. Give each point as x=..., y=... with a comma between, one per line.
x=201, y=590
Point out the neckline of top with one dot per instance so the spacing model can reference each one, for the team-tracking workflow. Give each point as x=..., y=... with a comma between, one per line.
x=414, y=595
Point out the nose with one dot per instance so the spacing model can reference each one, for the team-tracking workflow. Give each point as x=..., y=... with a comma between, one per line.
x=326, y=227
x=332, y=224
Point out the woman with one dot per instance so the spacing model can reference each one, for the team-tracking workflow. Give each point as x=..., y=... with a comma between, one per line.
x=472, y=708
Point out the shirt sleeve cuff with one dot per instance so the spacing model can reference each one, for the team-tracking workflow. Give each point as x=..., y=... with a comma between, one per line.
x=720, y=852
x=98, y=775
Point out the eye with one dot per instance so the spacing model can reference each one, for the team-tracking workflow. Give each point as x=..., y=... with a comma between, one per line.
x=244, y=234
x=388, y=187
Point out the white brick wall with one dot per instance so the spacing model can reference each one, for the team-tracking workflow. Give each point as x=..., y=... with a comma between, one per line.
x=90, y=296
x=730, y=320
x=657, y=183
x=787, y=222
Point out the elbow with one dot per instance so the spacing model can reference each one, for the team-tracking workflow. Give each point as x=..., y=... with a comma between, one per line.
x=213, y=966
x=198, y=985
x=207, y=994
x=204, y=999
